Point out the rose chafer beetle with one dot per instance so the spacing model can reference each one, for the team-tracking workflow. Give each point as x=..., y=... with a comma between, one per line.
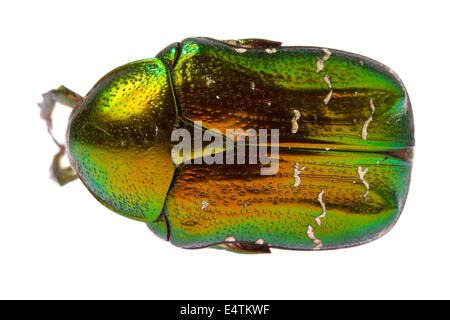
x=345, y=132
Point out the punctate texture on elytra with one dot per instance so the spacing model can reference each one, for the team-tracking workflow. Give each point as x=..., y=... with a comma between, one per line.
x=345, y=145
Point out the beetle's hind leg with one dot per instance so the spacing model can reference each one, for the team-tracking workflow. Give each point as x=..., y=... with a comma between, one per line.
x=238, y=247
x=62, y=95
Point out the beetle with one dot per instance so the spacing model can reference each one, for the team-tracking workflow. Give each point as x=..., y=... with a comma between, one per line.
x=345, y=145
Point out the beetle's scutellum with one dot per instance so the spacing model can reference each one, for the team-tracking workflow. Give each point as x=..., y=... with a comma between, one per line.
x=344, y=136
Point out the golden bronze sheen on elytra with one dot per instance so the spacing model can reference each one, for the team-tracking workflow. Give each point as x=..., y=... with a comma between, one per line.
x=346, y=137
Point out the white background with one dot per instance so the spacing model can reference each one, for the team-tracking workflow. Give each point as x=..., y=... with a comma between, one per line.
x=61, y=243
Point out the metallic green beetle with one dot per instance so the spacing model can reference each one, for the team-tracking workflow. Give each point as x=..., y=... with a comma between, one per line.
x=346, y=140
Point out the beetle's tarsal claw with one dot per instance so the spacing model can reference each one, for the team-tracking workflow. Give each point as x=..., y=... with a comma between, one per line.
x=62, y=175
x=62, y=95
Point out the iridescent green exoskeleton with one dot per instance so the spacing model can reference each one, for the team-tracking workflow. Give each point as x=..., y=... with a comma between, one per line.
x=345, y=132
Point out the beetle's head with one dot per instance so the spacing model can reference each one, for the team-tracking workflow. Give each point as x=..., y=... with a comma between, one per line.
x=119, y=139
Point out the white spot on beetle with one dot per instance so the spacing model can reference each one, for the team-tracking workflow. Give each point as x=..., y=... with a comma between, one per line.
x=372, y=106
x=230, y=239
x=327, y=54
x=328, y=97
x=319, y=65
x=321, y=61
x=294, y=120
x=209, y=81
x=296, y=175
x=324, y=209
x=204, y=205
x=259, y=241
x=310, y=234
x=270, y=51
x=369, y=120
x=361, y=174
x=252, y=85
x=240, y=50
x=326, y=78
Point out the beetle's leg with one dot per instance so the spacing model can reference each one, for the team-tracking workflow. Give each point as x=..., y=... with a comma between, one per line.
x=60, y=174
x=238, y=247
x=61, y=95
x=254, y=43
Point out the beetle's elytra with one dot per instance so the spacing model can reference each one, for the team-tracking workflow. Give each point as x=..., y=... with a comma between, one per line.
x=344, y=130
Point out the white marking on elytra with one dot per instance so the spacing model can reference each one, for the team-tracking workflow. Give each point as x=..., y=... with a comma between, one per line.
x=310, y=234
x=230, y=239
x=324, y=209
x=372, y=106
x=217, y=97
x=369, y=120
x=205, y=204
x=328, y=97
x=240, y=50
x=296, y=174
x=252, y=85
x=270, y=51
x=319, y=65
x=326, y=78
x=294, y=121
x=321, y=61
x=209, y=81
x=361, y=174
x=259, y=241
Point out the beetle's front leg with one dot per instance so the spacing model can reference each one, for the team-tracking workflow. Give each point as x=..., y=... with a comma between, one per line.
x=58, y=173
x=62, y=95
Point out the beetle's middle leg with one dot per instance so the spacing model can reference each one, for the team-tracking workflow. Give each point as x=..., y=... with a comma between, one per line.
x=62, y=95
